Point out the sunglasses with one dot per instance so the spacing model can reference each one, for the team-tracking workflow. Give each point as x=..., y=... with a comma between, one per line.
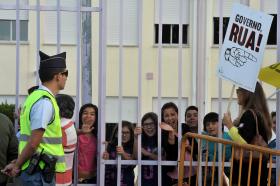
x=65, y=73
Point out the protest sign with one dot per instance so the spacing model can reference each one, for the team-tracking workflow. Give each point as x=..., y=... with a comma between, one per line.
x=242, y=52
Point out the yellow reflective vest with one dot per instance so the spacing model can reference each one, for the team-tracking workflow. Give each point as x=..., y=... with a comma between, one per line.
x=52, y=138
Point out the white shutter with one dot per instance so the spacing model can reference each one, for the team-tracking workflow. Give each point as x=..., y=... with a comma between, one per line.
x=129, y=109
x=50, y=27
x=129, y=22
x=11, y=14
x=171, y=11
x=270, y=6
x=68, y=24
x=227, y=8
x=113, y=22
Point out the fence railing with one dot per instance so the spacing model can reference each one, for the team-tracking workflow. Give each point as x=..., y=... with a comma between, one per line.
x=241, y=153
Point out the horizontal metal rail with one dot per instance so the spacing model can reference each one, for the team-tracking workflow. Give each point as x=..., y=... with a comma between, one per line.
x=262, y=151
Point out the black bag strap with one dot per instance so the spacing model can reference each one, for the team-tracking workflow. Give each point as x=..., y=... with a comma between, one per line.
x=256, y=119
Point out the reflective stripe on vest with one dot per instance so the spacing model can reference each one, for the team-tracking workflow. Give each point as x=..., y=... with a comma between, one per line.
x=48, y=140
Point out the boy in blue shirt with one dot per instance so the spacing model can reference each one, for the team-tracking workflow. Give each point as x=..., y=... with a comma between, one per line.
x=211, y=128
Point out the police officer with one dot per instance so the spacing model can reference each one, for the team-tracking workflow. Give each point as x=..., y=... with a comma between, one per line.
x=40, y=124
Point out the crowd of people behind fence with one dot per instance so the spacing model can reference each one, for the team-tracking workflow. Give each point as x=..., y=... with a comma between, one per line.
x=47, y=125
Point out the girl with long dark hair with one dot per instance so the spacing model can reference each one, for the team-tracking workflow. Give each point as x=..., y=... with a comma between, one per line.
x=87, y=143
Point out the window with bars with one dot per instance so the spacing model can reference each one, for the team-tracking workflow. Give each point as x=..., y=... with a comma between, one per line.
x=272, y=37
x=8, y=30
x=170, y=34
x=216, y=29
x=172, y=14
x=8, y=21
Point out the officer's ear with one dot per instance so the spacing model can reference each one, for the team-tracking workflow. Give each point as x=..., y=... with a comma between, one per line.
x=56, y=77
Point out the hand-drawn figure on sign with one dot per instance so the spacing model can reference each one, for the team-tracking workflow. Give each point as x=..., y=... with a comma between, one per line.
x=238, y=57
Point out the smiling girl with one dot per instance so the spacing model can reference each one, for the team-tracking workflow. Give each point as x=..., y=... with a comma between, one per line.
x=149, y=148
x=87, y=140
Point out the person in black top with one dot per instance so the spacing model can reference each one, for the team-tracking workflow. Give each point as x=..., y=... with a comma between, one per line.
x=125, y=150
x=251, y=103
x=149, y=150
x=169, y=115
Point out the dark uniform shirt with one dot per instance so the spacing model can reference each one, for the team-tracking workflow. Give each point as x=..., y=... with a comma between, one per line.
x=9, y=144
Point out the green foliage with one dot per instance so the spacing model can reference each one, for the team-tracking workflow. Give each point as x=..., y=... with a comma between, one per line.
x=8, y=110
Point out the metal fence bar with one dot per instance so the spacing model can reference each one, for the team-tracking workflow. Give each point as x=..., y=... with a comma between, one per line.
x=159, y=90
x=48, y=8
x=194, y=53
x=58, y=27
x=38, y=21
x=119, y=165
x=278, y=98
x=180, y=82
x=139, y=103
x=220, y=83
x=101, y=91
x=17, y=61
x=78, y=84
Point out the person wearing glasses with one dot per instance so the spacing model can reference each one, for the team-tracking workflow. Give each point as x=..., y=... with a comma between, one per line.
x=149, y=148
x=125, y=151
x=40, y=126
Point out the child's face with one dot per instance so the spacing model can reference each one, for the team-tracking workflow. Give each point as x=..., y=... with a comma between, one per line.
x=125, y=135
x=212, y=128
x=149, y=127
x=170, y=117
x=191, y=118
x=88, y=116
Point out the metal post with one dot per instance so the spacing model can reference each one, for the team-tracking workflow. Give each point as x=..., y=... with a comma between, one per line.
x=86, y=55
x=101, y=91
x=221, y=5
x=78, y=85
x=17, y=60
x=139, y=104
x=120, y=98
x=180, y=76
x=159, y=88
x=194, y=52
x=201, y=60
x=37, y=40
x=278, y=97
x=58, y=26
